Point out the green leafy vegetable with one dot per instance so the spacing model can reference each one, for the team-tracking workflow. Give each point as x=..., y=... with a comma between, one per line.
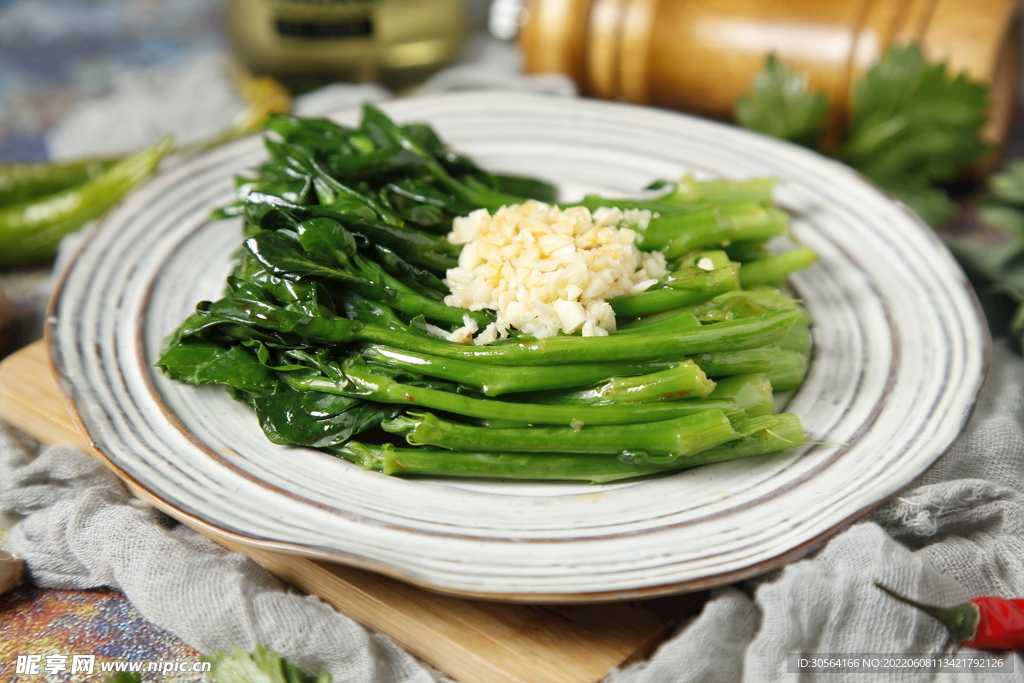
x=782, y=432
x=993, y=252
x=333, y=325
x=782, y=105
x=124, y=677
x=202, y=362
x=913, y=118
x=262, y=666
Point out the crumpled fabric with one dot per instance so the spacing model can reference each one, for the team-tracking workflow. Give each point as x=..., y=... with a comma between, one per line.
x=80, y=528
x=954, y=534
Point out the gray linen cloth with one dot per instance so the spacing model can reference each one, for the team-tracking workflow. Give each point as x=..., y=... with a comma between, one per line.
x=956, y=533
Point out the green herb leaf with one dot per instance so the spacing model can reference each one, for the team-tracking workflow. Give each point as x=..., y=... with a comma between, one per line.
x=781, y=105
x=1008, y=186
x=913, y=124
x=912, y=118
x=262, y=666
x=993, y=253
x=124, y=677
x=205, y=363
x=931, y=203
x=996, y=256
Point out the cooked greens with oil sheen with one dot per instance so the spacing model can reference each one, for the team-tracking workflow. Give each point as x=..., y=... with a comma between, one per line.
x=333, y=325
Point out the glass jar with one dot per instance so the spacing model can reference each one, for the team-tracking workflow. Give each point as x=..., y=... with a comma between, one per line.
x=350, y=40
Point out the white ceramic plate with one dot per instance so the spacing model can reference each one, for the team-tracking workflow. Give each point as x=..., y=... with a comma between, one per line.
x=900, y=355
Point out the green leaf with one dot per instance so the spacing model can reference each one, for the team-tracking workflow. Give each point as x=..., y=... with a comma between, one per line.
x=912, y=124
x=1008, y=186
x=284, y=256
x=262, y=666
x=993, y=252
x=931, y=203
x=996, y=255
x=913, y=118
x=1009, y=219
x=419, y=280
x=205, y=363
x=316, y=419
x=124, y=677
x=781, y=105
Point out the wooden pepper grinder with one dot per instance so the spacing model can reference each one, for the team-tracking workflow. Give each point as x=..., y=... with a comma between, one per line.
x=700, y=55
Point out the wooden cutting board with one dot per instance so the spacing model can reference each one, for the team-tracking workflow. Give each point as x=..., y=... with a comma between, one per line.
x=472, y=641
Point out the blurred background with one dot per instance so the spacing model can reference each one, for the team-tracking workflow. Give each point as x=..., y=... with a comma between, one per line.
x=56, y=55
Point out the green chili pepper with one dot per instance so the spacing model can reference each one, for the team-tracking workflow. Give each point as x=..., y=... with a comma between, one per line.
x=32, y=230
x=22, y=182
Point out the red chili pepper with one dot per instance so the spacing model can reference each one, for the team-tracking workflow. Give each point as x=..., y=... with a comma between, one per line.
x=1000, y=624
x=985, y=623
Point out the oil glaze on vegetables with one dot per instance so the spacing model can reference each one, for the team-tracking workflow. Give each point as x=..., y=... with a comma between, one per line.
x=337, y=323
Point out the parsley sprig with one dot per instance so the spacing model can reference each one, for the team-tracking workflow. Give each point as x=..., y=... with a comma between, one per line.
x=992, y=251
x=262, y=666
x=913, y=125
x=781, y=104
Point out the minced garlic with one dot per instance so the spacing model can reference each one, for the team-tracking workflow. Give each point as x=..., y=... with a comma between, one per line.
x=545, y=270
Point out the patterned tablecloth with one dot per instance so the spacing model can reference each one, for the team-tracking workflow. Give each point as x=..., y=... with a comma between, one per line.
x=92, y=629
x=54, y=54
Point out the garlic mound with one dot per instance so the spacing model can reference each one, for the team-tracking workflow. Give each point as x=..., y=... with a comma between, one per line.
x=545, y=270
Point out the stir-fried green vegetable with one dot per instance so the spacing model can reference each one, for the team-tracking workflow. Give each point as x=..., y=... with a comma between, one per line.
x=334, y=324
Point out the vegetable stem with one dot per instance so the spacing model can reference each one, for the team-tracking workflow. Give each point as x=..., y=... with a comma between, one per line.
x=745, y=333
x=591, y=468
x=684, y=380
x=681, y=436
x=362, y=383
x=495, y=380
x=775, y=268
x=687, y=286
